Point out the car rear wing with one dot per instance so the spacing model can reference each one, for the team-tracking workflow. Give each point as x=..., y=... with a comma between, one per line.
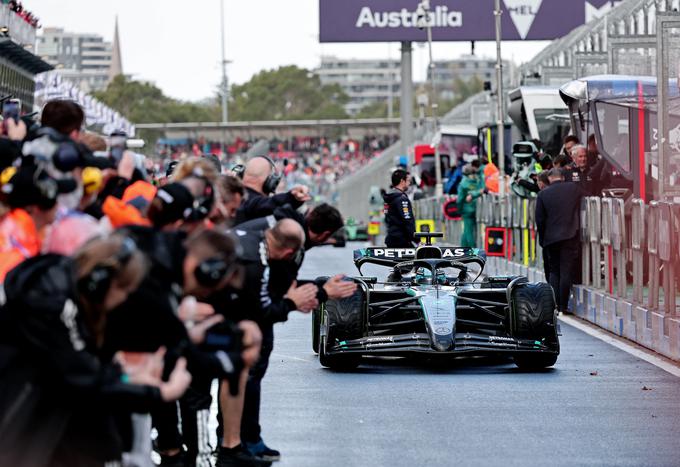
x=390, y=257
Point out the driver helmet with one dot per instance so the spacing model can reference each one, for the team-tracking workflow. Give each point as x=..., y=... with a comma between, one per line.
x=424, y=277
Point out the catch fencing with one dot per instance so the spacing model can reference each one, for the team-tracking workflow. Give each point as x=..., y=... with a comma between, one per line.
x=630, y=256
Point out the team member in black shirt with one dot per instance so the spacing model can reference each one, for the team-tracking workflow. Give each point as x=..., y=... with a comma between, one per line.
x=401, y=223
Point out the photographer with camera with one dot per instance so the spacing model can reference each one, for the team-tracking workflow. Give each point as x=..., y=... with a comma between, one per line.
x=241, y=441
x=58, y=394
x=165, y=310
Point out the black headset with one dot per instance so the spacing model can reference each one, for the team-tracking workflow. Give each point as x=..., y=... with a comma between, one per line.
x=271, y=182
x=202, y=204
x=97, y=282
x=273, y=179
x=210, y=272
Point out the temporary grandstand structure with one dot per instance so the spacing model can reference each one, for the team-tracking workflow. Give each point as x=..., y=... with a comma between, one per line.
x=623, y=41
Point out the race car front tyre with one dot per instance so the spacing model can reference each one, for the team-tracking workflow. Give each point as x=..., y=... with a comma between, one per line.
x=535, y=361
x=345, y=317
x=338, y=362
x=535, y=316
x=316, y=318
x=343, y=320
x=536, y=319
x=316, y=325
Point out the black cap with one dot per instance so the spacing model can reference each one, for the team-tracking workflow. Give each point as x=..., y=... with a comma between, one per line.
x=32, y=185
x=173, y=202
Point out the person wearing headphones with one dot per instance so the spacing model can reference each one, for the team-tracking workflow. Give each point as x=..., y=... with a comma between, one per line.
x=168, y=309
x=260, y=180
x=60, y=394
x=260, y=302
x=31, y=195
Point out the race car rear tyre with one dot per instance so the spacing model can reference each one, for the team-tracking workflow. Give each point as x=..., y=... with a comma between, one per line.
x=534, y=313
x=535, y=361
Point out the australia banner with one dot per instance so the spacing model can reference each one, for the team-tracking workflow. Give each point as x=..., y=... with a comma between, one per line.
x=453, y=20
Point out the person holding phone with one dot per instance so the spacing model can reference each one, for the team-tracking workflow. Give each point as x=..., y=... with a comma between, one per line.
x=14, y=131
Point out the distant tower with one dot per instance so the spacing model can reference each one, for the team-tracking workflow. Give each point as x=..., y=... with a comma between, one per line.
x=116, y=67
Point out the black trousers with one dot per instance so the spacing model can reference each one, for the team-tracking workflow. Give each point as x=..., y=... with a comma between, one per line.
x=250, y=423
x=194, y=410
x=563, y=264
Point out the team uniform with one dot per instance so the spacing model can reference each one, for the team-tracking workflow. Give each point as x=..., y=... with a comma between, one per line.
x=401, y=223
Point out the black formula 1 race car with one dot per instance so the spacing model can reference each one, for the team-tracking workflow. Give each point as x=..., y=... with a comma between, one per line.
x=434, y=301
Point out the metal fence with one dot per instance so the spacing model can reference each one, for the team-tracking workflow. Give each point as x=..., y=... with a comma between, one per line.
x=629, y=251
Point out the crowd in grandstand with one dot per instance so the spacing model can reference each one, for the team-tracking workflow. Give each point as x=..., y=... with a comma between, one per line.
x=23, y=13
x=316, y=162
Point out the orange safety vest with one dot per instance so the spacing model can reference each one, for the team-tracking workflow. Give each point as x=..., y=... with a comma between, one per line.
x=491, y=175
x=19, y=240
x=121, y=214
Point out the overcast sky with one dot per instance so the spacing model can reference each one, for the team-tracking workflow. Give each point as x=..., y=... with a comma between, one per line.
x=176, y=43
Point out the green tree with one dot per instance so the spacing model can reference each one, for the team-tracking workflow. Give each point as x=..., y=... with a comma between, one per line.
x=142, y=102
x=378, y=110
x=286, y=93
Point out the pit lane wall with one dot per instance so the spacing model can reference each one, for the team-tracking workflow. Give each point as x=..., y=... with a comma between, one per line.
x=630, y=255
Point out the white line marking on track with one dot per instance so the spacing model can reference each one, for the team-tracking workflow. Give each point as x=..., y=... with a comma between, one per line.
x=623, y=344
x=289, y=357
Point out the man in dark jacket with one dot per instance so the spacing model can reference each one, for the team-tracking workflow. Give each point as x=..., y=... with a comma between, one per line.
x=260, y=181
x=401, y=223
x=557, y=222
x=591, y=176
x=263, y=302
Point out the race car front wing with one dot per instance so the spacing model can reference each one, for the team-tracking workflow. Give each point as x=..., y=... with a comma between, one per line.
x=465, y=343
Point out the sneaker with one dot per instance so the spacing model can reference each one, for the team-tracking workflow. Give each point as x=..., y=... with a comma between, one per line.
x=237, y=457
x=263, y=452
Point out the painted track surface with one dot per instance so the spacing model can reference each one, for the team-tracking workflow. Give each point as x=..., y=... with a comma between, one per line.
x=591, y=409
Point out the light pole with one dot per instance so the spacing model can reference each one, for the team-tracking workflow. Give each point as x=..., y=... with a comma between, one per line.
x=390, y=77
x=500, y=120
x=225, y=82
x=424, y=22
x=406, y=103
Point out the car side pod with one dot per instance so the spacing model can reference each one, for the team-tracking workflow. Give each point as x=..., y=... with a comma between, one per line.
x=439, y=311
